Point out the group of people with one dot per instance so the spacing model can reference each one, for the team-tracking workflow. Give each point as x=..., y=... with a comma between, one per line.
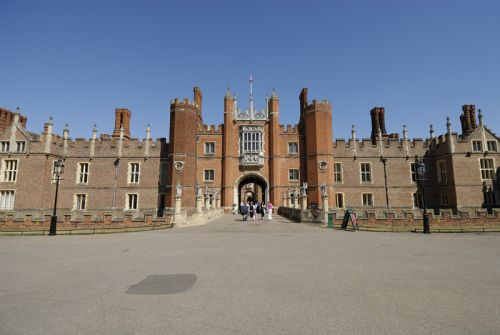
x=251, y=209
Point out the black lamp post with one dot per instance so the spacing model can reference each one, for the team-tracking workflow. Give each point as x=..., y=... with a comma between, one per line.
x=421, y=174
x=58, y=171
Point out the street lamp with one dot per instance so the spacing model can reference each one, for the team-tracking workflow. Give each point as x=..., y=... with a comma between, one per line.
x=421, y=174
x=58, y=171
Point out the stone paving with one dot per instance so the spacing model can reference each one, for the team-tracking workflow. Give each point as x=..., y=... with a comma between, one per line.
x=257, y=277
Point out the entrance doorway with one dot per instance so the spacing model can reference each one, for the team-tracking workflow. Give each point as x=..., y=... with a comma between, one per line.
x=252, y=188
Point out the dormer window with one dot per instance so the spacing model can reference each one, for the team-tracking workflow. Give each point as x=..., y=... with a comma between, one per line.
x=477, y=146
x=20, y=146
x=5, y=146
x=492, y=146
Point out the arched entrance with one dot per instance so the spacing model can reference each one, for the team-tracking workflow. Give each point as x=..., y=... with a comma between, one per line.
x=251, y=187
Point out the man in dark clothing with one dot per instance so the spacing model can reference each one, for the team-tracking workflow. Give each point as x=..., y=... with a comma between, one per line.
x=244, y=210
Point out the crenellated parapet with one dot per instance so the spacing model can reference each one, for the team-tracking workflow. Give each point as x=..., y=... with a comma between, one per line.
x=208, y=129
x=318, y=105
x=289, y=130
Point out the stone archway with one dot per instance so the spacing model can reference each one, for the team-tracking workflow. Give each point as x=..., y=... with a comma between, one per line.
x=260, y=187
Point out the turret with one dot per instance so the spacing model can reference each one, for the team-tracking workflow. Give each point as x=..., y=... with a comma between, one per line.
x=316, y=128
x=185, y=120
x=229, y=163
x=274, y=153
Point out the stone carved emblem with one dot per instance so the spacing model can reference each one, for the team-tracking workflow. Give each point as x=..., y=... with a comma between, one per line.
x=178, y=165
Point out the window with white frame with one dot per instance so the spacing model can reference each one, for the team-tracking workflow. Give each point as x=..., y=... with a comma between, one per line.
x=83, y=173
x=9, y=170
x=293, y=148
x=7, y=199
x=337, y=172
x=132, y=201
x=418, y=200
x=5, y=146
x=209, y=148
x=366, y=172
x=134, y=172
x=477, y=146
x=492, y=146
x=444, y=200
x=163, y=173
x=441, y=172
x=487, y=168
x=367, y=199
x=209, y=175
x=413, y=172
x=339, y=200
x=20, y=146
x=80, y=201
x=293, y=174
x=251, y=141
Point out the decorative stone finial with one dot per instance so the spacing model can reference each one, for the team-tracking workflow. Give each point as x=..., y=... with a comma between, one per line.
x=431, y=131
x=448, y=125
x=405, y=132
x=229, y=95
x=353, y=132
x=274, y=94
x=480, y=116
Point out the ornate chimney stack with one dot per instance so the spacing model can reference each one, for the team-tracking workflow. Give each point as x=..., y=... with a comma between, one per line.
x=303, y=100
x=122, y=120
x=468, y=119
x=378, y=122
x=198, y=97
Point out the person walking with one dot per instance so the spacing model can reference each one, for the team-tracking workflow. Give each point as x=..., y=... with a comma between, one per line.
x=244, y=211
x=270, y=210
x=263, y=210
x=251, y=209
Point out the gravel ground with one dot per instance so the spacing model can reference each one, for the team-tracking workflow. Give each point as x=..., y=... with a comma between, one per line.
x=261, y=277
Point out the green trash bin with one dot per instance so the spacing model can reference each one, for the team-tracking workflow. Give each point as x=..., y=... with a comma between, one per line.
x=330, y=221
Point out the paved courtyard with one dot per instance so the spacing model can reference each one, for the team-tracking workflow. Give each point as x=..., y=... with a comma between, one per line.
x=234, y=277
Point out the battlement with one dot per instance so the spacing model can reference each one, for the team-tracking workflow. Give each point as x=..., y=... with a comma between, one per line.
x=211, y=129
x=290, y=129
x=184, y=103
x=390, y=145
x=318, y=104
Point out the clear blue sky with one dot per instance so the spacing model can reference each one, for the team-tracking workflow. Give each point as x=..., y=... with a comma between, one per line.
x=421, y=60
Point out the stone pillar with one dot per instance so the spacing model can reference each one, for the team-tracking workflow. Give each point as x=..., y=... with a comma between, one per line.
x=207, y=201
x=177, y=205
x=325, y=208
x=198, y=203
x=303, y=202
x=217, y=200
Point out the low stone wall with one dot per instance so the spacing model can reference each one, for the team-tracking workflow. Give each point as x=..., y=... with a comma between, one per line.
x=69, y=221
x=293, y=214
x=401, y=218
x=193, y=219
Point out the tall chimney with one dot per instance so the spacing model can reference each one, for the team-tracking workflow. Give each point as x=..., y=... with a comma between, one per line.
x=197, y=97
x=122, y=119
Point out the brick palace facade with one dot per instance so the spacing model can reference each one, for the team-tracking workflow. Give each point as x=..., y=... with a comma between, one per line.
x=249, y=155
